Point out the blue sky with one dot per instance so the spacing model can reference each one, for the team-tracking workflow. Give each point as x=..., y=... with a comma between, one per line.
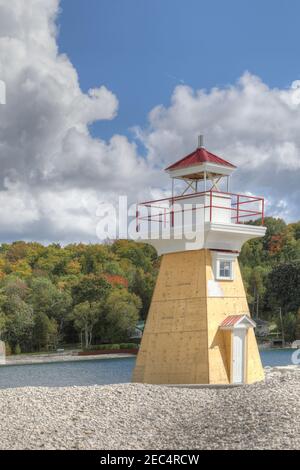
x=141, y=49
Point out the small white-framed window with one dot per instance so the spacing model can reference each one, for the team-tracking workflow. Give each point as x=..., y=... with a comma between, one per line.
x=223, y=265
x=224, y=269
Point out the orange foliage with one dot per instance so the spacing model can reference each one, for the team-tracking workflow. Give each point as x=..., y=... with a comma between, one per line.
x=275, y=243
x=116, y=280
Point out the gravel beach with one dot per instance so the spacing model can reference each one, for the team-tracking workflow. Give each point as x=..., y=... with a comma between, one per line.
x=133, y=416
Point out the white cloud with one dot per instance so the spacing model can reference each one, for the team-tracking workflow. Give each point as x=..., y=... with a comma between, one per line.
x=49, y=163
x=2, y=92
x=250, y=124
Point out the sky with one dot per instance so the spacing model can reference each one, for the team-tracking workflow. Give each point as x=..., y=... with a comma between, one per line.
x=142, y=49
x=102, y=95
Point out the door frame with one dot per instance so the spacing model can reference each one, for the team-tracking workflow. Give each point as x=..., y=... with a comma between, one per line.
x=245, y=354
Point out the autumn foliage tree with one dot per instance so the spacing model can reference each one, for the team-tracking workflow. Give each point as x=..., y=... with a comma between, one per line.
x=41, y=286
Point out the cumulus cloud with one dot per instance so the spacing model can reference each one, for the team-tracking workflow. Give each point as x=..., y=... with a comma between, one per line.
x=248, y=123
x=50, y=166
x=53, y=173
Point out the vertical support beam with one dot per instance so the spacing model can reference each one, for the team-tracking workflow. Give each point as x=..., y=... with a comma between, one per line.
x=210, y=205
x=238, y=210
x=262, y=211
x=172, y=204
x=137, y=226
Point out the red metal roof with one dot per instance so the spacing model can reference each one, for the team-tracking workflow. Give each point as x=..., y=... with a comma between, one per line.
x=200, y=155
x=232, y=320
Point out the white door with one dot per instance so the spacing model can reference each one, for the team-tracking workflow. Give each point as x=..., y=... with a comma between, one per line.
x=238, y=356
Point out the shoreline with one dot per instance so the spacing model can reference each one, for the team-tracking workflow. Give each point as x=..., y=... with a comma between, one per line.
x=73, y=356
x=55, y=358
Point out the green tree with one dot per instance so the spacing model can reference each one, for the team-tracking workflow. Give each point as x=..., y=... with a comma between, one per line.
x=289, y=326
x=49, y=300
x=140, y=255
x=283, y=287
x=45, y=333
x=13, y=286
x=16, y=251
x=122, y=309
x=85, y=316
x=142, y=285
x=297, y=332
x=257, y=285
x=90, y=288
x=252, y=253
x=19, y=322
x=2, y=323
x=297, y=230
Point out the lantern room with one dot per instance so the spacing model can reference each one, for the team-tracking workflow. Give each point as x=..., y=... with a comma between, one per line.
x=201, y=166
x=200, y=202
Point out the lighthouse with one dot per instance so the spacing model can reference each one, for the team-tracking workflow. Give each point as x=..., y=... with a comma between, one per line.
x=199, y=329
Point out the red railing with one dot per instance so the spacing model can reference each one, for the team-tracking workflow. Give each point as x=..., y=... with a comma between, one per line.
x=237, y=213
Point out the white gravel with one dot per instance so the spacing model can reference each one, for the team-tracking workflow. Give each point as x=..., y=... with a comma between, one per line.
x=132, y=416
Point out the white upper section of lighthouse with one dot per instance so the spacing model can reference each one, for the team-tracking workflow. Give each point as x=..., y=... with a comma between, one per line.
x=200, y=217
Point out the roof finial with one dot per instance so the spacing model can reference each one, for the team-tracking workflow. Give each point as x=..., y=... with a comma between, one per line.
x=200, y=141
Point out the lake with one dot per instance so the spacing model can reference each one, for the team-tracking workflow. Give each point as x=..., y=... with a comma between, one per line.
x=100, y=372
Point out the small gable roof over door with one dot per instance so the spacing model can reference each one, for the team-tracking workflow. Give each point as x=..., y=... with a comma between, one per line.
x=237, y=321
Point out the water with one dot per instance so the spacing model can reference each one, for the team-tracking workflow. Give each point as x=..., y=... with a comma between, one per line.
x=64, y=374
x=276, y=357
x=100, y=372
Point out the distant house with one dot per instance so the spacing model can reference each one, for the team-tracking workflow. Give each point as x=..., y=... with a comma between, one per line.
x=138, y=330
x=262, y=327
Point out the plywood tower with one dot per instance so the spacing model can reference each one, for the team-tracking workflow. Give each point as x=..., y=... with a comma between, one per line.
x=199, y=329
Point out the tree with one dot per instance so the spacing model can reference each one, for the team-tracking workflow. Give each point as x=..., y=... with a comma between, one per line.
x=252, y=253
x=73, y=267
x=297, y=231
x=2, y=323
x=283, y=286
x=297, y=332
x=45, y=333
x=289, y=326
x=16, y=251
x=85, y=316
x=47, y=299
x=21, y=268
x=122, y=309
x=19, y=322
x=143, y=285
x=246, y=272
x=140, y=255
x=90, y=288
x=52, y=260
x=276, y=228
x=257, y=285
x=15, y=286
x=94, y=256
